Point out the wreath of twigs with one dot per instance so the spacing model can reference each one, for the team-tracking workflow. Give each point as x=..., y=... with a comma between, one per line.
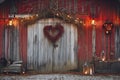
x=50, y=29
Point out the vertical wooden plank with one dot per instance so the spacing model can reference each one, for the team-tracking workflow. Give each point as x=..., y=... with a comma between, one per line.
x=16, y=44
x=11, y=39
x=93, y=41
x=117, y=42
x=23, y=43
x=30, y=47
x=6, y=42
x=2, y=39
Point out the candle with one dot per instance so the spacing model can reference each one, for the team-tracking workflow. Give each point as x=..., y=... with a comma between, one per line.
x=91, y=71
x=86, y=72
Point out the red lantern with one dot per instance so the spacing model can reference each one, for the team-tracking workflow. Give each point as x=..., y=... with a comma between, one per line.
x=108, y=26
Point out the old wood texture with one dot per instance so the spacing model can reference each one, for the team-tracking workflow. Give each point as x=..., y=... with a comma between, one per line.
x=93, y=41
x=11, y=43
x=42, y=56
x=82, y=8
x=117, y=42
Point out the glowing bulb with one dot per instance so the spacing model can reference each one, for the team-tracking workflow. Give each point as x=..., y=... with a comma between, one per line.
x=81, y=22
x=68, y=16
x=23, y=72
x=37, y=15
x=107, y=32
x=57, y=14
x=10, y=22
x=93, y=22
x=76, y=20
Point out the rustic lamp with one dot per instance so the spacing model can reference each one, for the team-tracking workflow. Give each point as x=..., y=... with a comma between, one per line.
x=87, y=69
x=108, y=26
x=92, y=22
x=103, y=57
x=10, y=23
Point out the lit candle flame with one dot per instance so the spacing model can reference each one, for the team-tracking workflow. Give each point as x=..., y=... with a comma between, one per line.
x=93, y=22
x=85, y=72
x=103, y=59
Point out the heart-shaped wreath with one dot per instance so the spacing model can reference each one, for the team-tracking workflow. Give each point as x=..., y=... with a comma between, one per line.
x=53, y=33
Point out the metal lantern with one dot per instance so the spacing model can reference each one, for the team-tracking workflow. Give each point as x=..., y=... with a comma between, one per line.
x=88, y=69
x=108, y=26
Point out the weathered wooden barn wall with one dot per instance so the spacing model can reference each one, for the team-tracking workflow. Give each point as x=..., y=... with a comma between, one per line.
x=87, y=9
x=43, y=56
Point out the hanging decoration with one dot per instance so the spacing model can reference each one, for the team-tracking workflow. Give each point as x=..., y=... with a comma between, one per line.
x=53, y=33
x=52, y=13
x=54, y=10
x=12, y=21
x=108, y=26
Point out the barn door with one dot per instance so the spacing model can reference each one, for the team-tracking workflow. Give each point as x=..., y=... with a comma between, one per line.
x=42, y=56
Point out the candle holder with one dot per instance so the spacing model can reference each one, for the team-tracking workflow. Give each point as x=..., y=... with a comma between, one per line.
x=87, y=69
x=108, y=26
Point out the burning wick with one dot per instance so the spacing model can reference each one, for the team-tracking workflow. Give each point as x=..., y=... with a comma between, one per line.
x=103, y=59
x=86, y=72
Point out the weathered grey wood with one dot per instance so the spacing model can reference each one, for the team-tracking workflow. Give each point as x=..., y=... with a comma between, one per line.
x=93, y=41
x=11, y=39
x=42, y=56
x=6, y=42
x=117, y=42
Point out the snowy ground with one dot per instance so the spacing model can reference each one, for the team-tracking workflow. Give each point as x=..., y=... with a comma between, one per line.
x=59, y=77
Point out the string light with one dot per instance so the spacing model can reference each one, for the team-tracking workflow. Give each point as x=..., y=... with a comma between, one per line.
x=56, y=13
